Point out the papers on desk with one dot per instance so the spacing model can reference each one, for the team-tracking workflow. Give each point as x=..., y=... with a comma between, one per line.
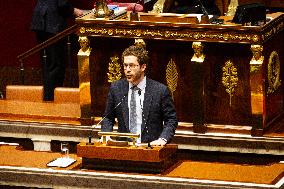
x=61, y=162
x=198, y=16
x=117, y=11
x=9, y=144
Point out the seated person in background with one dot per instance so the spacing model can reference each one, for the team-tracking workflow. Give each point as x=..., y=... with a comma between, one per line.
x=134, y=7
x=140, y=104
x=192, y=6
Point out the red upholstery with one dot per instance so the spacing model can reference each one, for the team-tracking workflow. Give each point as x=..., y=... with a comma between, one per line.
x=130, y=4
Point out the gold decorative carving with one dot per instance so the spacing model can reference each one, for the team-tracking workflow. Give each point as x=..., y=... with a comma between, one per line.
x=230, y=78
x=273, y=31
x=158, y=7
x=274, y=81
x=232, y=8
x=257, y=58
x=172, y=76
x=184, y=35
x=198, y=52
x=85, y=46
x=84, y=77
x=101, y=10
x=140, y=42
x=82, y=30
x=114, y=70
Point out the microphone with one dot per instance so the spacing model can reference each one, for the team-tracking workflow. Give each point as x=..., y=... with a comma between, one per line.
x=204, y=17
x=94, y=126
x=204, y=11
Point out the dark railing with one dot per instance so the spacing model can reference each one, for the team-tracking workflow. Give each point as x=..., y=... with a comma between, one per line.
x=42, y=46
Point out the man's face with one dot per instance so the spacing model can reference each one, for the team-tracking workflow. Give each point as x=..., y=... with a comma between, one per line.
x=133, y=71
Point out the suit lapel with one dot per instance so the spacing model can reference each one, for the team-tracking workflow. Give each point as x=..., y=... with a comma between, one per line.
x=124, y=104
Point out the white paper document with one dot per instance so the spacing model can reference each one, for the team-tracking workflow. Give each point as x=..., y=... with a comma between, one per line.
x=61, y=162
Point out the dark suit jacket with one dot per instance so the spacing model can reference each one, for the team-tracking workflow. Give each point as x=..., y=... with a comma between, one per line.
x=159, y=115
x=50, y=15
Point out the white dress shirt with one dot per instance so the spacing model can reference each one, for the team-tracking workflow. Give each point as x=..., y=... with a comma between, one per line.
x=139, y=97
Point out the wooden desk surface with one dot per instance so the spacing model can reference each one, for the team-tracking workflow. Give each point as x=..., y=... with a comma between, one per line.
x=15, y=156
x=187, y=169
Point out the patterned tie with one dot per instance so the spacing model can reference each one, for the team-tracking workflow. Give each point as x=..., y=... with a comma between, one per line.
x=133, y=113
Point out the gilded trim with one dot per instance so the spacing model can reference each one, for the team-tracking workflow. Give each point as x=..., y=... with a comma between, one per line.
x=273, y=31
x=167, y=34
x=172, y=76
x=114, y=70
x=273, y=76
x=230, y=78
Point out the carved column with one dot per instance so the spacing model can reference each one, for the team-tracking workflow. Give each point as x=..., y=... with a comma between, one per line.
x=198, y=100
x=84, y=80
x=257, y=92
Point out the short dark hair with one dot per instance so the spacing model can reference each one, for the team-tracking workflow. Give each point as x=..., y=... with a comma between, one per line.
x=138, y=51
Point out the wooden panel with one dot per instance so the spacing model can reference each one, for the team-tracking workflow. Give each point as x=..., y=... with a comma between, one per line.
x=173, y=42
x=143, y=154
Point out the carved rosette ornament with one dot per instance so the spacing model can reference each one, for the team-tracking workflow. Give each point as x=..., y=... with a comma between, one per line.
x=273, y=76
x=114, y=70
x=257, y=58
x=230, y=78
x=172, y=76
x=198, y=52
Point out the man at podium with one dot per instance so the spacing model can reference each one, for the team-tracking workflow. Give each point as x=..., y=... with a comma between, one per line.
x=140, y=104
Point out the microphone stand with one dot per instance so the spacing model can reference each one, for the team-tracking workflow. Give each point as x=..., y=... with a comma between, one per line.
x=204, y=17
x=95, y=126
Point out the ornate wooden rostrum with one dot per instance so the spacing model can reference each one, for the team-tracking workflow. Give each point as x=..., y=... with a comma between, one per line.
x=222, y=76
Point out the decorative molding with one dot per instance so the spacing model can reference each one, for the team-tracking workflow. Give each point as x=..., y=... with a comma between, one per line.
x=168, y=34
x=230, y=78
x=273, y=72
x=274, y=30
x=172, y=76
x=114, y=70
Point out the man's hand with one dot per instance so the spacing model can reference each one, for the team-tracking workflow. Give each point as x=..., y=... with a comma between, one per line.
x=78, y=12
x=159, y=142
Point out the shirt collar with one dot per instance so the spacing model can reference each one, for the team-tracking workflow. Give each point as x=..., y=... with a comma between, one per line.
x=141, y=85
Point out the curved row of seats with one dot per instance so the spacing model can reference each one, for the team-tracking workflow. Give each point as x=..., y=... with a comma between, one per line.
x=25, y=103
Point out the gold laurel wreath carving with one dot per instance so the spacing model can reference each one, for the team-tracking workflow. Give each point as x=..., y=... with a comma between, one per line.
x=230, y=78
x=273, y=73
x=172, y=76
x=114, y=70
